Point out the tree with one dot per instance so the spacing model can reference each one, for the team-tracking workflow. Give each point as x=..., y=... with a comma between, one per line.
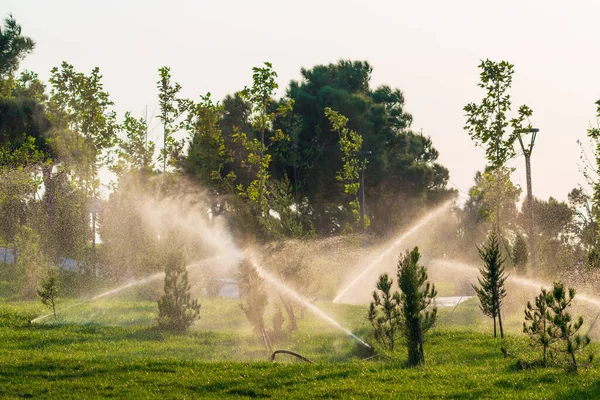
x=565, y=329
x=171, y=108
x=255, y=300
x=258, y=159
x=491, y=289
x=385, y=313
x=538, y=323
x=350, y=145
x=488, y=121
x=48, y=291
x=85, y=130
x=13, y=48
x=136, y=152
x=519, y=254
x=176, y=310
x=31, y=261
x=207, y=154
x=416, y=296
x=402, y=166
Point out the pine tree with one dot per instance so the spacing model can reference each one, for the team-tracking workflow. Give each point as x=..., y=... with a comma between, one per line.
x=384, y=313
x=48, y=290
x=491, y=289
x=416, y=297
x=176, y=310
x=540, y=328
x=565, y=329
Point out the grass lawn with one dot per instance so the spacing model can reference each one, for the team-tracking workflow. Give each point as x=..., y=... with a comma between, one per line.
x=112, y=349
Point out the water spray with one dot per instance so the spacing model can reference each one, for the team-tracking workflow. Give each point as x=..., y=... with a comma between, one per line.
x=395, y=244
x=151, y=278
x=522, y=281
x=316, y=310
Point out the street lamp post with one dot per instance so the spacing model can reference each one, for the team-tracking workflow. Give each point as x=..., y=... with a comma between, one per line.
x=527, y=153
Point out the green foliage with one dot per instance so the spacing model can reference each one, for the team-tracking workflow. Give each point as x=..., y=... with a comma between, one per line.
x=176, y=310
x=520, y=253
x=416, y=296
x=13, y=48
x=538, y=323
x=133, y=359
x=385, y=313
x=136, y=152
x=171, y=108
x=487, y=122
x=565, y=329
x=352, y=164
x=255, y=301
x=48, y=291
x=85, y=127
x=402, y=166
x=491, y=288
x=258, y=159
x=31, y=261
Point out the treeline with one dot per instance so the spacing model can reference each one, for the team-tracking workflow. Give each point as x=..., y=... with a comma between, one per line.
x=272, y=167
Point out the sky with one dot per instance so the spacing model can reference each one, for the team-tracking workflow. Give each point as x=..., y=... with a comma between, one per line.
x=430, y=50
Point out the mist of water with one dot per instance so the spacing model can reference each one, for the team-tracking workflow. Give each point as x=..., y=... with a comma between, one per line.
x=393, y=246
x=139, y=282
x=519, y=280
x=291, y=293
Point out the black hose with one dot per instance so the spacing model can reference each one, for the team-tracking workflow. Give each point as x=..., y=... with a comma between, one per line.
x=291, y=353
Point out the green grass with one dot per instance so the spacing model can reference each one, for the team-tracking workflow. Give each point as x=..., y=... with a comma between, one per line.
x=113, y=349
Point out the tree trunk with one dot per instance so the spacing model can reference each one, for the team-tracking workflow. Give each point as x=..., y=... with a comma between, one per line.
x=500, y=321
x=289, y=309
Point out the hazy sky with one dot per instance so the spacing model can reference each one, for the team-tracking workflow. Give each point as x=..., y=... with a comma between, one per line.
x=429, y=49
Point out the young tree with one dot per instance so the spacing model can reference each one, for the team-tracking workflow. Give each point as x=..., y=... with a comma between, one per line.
x=564, y=328
x=488, y=121
x=48, y=291
x=491, y=289
x=385, y=313
x=538, y=323
x=350, y=144
x=252, y=291
x=259, y=96
x=31, y=261
x=176, y=310
x=416, y=296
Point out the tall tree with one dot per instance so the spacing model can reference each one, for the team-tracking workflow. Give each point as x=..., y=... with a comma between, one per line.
x=402, y=164
x=85, y=128
x=488, y=121
x=13, y=48
x=171, y=108
x=259, y=96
